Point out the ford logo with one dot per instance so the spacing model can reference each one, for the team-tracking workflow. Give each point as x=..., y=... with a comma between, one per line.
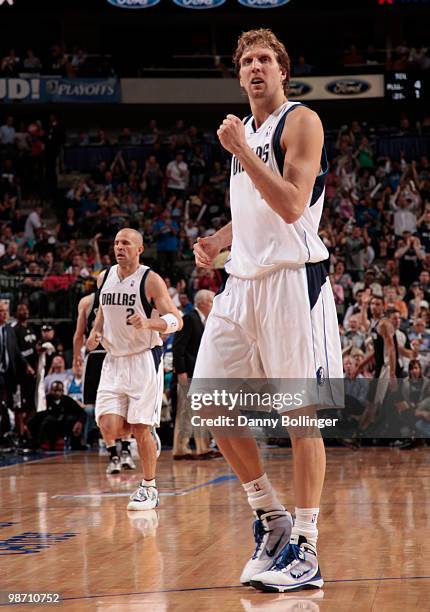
x=298, y=88
x=133, y=4
x=347, y=87
x=199, y=4
x=263, y=4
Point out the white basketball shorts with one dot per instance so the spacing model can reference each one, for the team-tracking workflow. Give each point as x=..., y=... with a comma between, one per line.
x=132, y=386
x=281, y=326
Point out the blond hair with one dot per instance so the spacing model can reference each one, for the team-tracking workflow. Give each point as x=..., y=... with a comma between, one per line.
x=265, y=38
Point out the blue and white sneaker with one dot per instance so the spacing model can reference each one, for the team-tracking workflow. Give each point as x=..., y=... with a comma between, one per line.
x=272, y=532
x=126, y=461
x=296, y=568
x=144, y=498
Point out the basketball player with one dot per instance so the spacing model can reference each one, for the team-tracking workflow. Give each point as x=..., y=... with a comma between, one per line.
x=130, y=392
x=87, y=311
x=276, y=317
x=385, y=354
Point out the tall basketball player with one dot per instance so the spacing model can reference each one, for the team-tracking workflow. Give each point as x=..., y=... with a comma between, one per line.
x=276, y=317
x=93, y=363
x=129, y=395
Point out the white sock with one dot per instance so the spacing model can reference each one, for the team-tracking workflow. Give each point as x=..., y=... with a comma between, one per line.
x=306, y=525
x=261, y=495
x=148, y=483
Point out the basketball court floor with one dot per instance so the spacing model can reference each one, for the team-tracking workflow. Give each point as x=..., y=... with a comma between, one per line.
x=64, y=529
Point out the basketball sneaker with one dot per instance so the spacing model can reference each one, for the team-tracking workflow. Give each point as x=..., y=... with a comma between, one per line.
x=144, y=498
x=114, y=466
x=272, y=531
x=296, y=568
x=126, y=461
x=157, y=441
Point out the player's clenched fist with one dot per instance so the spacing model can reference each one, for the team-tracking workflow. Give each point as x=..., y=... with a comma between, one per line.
x=231, y=134
x=205, y=251
x=94, y=340
x=138, y=321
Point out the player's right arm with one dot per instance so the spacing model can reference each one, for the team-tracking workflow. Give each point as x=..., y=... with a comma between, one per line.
x=365, y=300
x=78, y=338
x=206, y=249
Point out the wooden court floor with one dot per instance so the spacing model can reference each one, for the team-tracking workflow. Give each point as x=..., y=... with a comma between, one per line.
x=64, y=529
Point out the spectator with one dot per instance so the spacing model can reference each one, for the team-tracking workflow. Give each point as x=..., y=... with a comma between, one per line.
x=152, y=177
x=7, y=132
x=301, y=67
x=26, y=339
x=392, y=301
x=74, y=388
x=405, y=219
x=68, y=228
x=177, y=175
x=414, y=406
x=354, y=337
x=33, y=223
x=419, y=336
x=57, y=372
x=166, y=236
x=11, y=262
x=197, y=167
x=12, y=367
x=63, y=418
x=355, y=250
x=10, y=64
x=185, y=348
x=31, y=62
x=185, y=305
x=410, y=255
x=78, y=60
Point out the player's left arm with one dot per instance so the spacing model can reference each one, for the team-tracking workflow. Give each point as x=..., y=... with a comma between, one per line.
x=170, y=320
x=289, y=194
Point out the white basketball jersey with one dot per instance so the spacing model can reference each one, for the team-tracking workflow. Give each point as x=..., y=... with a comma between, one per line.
x=262, y=240
x=119, y=300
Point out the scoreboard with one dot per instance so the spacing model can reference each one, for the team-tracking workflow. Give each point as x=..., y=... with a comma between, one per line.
x=404, y=87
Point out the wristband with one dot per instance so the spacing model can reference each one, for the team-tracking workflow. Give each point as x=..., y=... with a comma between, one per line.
x=172, y=323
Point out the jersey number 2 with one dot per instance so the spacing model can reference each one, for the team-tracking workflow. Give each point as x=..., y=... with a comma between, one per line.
x=130, y=313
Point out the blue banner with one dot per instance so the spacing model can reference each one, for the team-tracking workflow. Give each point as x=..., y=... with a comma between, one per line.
x=83, y=90
x=57, y=90
x=263, y=4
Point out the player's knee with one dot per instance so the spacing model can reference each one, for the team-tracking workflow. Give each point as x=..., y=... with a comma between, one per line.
x=303, y=426
x=111, y=426
x=140, y=430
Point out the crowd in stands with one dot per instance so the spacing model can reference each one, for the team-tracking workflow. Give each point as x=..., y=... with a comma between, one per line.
x=56, y=61
x=80, y=63
x=375, y=225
